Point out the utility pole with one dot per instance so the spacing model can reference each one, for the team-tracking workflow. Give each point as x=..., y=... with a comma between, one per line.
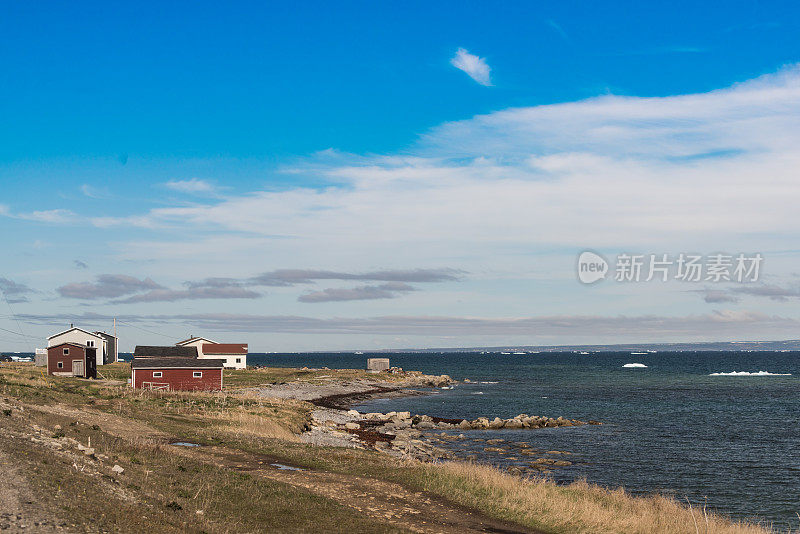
x=116, y=341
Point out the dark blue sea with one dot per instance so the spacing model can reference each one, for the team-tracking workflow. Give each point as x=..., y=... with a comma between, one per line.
x=732, y=442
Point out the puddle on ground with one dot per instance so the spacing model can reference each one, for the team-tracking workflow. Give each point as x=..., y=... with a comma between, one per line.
x=286, y=467
x=185, y=444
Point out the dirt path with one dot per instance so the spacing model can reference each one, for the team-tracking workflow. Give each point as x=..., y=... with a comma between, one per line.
x=19, y=511
x=386, y=502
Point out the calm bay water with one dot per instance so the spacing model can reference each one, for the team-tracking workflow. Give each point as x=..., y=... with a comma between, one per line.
x=730, y=441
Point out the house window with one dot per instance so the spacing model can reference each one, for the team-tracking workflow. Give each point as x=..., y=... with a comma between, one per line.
x=238, y=360
x=197, y=374
x=66, y=352
x=156, y=374
x=60, y=365
x=89, y=343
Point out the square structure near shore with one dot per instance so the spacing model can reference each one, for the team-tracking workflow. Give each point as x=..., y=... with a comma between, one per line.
x=376, y=365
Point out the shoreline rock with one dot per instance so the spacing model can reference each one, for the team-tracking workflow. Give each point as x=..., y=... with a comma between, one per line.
x=401, y=434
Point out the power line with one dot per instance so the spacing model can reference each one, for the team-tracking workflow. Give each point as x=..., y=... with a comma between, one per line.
x=17, y=333
x=5, y=297
x=145, y=329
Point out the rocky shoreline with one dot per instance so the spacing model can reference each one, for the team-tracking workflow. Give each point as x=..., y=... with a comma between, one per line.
x=399, y=434
x=341, y=394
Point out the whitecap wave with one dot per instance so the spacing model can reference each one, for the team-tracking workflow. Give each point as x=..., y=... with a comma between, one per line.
x=637, y=365
x=488, y=382
x=747, y=373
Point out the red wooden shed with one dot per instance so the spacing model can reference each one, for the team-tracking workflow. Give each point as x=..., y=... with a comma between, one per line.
x=72, y=359
x=185, y=374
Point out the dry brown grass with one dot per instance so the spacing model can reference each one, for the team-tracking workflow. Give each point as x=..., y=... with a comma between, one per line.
x=245, y=424
x=578, y=507
x=159, y=491
x=224, y=414
x=241, y=378
x=271, y=425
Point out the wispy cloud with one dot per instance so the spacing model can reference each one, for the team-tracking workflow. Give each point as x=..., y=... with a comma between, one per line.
x=290, y=277
x=194, y=186
x=56, y=216
x=395, y=284
x=580, y=326
x=383, y=291
x=714, y=326
x=80, y=265
x=558, y=29
x=111, y=286
x=95, y=192
x=107, y=286
x=733, y=294
x=772, y=291
x=717, y=296
x=15, y=292
x=476, y=67
x=624, y=161
x=192, y=293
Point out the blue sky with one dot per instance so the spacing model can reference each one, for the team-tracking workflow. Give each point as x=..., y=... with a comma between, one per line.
x=225, y=152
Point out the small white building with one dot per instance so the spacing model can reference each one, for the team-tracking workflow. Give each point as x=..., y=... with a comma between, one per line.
x=234, y=354
x=106, y=344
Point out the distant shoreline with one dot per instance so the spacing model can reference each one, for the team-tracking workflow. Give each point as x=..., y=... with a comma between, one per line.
x=528, y=350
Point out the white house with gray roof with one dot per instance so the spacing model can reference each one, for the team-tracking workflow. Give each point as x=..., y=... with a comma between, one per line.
x=106, y=344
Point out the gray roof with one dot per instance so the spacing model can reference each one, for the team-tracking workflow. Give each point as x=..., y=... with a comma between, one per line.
x=185, y=363
x=172, y=351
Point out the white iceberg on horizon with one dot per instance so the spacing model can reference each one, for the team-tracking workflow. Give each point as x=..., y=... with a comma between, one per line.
x=747, y=373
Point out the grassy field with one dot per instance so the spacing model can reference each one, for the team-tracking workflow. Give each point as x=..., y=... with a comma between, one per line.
x=228, y=485
x=236, y=378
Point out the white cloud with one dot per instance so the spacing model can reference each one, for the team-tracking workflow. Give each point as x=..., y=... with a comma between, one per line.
x=56, y=216
x=501, y=192
x=613, y=171
x=195, y=186
x=558, y=29
x=474, y=66
x=95, y=192
x=107, y=286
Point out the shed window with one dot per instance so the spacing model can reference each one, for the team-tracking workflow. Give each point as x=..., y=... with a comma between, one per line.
x=238, y=360
x=156, y=374
x=89, y=343
x=60, y=365
x=66, y=351
x=197, y=374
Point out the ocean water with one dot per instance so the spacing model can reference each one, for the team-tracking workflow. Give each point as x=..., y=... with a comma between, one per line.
x=682, y=425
